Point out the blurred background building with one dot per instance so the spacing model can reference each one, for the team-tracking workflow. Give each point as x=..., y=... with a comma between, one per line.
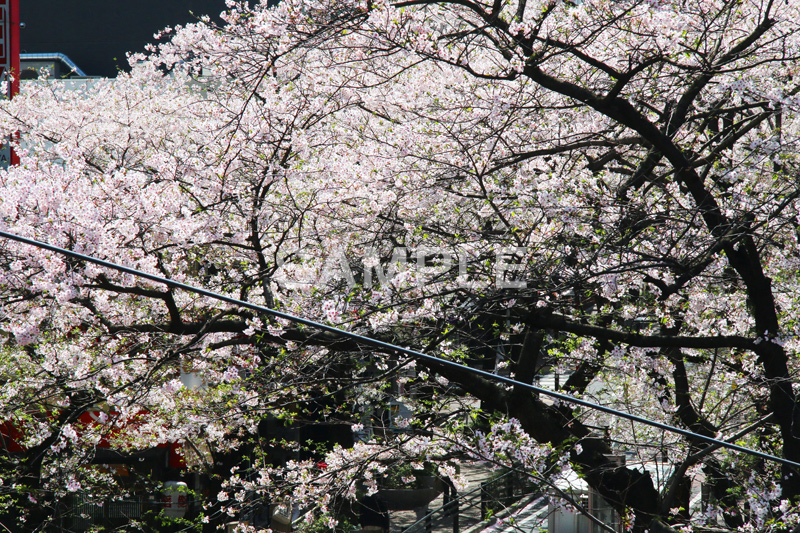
x=77, y=38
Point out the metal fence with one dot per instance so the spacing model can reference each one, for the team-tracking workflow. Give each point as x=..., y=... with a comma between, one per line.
x=462, y=511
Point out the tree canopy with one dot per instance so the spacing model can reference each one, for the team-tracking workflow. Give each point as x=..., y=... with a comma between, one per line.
x=603, y=189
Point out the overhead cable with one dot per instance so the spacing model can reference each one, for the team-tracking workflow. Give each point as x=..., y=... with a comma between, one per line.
x=389, y=347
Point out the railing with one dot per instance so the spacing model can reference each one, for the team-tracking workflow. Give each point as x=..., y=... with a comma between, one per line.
x=490, y=498
x=88, y=512
x=57, y=56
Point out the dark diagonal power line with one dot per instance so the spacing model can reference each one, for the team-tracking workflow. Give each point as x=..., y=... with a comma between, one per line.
x=397, y=349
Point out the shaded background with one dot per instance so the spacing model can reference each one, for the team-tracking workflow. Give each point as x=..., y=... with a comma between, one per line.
x=97, y=34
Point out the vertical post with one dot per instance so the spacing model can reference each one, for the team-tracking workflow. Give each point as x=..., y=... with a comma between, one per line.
x=450, y=503
x=509, y=490
x=484, y=500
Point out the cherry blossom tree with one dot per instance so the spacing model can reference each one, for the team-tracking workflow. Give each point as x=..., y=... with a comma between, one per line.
x=607, y=190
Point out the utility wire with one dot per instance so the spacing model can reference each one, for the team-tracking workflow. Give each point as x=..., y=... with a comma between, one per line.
x=398, y=349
